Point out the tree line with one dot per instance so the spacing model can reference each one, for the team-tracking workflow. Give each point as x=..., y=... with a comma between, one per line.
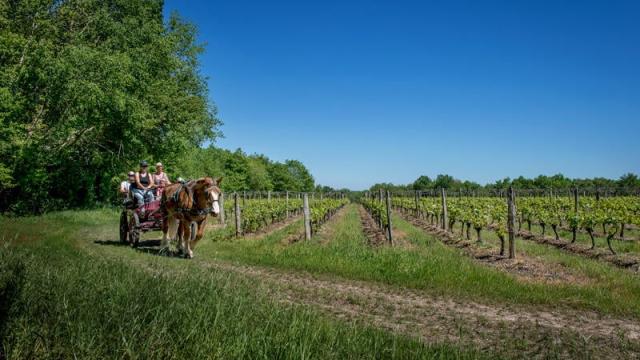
x=88, y=88
x=541, y=182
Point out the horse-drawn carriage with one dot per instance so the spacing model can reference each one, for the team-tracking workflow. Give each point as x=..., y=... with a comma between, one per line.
x=180, y=213
x=137, y=219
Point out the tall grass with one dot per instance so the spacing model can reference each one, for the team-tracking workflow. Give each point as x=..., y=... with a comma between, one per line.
x=58, y=300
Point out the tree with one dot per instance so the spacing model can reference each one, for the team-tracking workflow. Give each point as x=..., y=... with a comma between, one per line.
x=258, y=173
x=87, y=89
x=629, y=180
x=422, y=183
x=444, y=182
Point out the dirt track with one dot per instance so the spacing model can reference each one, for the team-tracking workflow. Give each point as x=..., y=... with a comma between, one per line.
x=436, y=319
x=511, y=331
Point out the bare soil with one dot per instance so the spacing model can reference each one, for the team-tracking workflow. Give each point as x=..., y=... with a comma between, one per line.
x=374, y=234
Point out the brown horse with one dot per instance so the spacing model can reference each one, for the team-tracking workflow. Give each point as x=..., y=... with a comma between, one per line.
x=185, y=203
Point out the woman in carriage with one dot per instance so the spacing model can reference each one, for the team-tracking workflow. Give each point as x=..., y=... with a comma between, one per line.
x=161, y=180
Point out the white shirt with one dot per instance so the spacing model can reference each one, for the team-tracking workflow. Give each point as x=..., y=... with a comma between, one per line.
x=124, y=186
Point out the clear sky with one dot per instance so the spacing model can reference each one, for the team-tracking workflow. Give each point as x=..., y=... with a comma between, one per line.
x=371, y=91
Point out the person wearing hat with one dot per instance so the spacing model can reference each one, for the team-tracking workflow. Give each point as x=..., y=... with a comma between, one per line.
x=126, y=185
x=161, y=179
x=142, y=188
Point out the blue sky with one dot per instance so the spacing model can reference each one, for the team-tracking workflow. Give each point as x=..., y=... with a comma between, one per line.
x=371, y=91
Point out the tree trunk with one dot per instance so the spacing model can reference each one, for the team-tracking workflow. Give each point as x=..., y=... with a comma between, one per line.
x=501, y=244
x=529, y=225
x=478, y=231
x=574, y=232
x=609, y=237
x=554, y=227
x=468, y=231
x=461, y=228
x=622, y=231
x=544, y=228
x=593, y=241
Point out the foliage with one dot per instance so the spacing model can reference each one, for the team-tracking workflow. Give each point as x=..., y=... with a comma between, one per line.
x=87, y=89
x=541, y=182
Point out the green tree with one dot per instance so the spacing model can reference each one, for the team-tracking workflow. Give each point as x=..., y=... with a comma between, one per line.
x=422, y=183
x=87, y=89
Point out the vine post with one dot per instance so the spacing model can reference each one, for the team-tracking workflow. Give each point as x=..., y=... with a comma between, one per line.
x=238, y=216
x=511, y=222
x=307, y=216
x=222, y=219
x=389, y=235
x=287, y=203
x=574, y=230
x=379, y=212
x=445, y=215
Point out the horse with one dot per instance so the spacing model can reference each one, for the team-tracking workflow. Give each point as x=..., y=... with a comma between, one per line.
x=185, y=203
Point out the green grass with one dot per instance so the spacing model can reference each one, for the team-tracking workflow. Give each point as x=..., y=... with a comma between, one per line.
x=609, y=283
x=433, y=266
x=68, y=298
x=60, y=298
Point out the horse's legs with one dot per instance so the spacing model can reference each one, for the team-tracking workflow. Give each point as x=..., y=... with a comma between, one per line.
x=200, y=233
x=186, y=238
x=165, y=230
x=179, y=236
x=169, y=228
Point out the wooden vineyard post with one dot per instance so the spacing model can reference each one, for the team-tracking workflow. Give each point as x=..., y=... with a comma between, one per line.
x=269, y=195
x=236, y=204
x=445, y=215
x=221, y=202
x=307, y=216
x=511, y=222
x=417, y=214
x=244, y=198
x=576, y=204
x=287, y=204
x=389, y=235
x=379, y=213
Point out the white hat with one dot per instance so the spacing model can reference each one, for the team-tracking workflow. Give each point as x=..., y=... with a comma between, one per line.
x=158, y=164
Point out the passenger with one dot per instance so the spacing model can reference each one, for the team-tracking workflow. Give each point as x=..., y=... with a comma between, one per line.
x=142, y=188
x=125, y=186
x=161, y=179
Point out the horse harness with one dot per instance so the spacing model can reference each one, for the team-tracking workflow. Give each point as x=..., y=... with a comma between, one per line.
x=190, y=211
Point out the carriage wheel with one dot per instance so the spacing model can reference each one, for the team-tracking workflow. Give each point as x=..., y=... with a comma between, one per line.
x=134, y=233
x=194, y=229
x=124, y=227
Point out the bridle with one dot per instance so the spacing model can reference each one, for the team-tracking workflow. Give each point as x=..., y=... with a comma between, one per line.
x=193, y=211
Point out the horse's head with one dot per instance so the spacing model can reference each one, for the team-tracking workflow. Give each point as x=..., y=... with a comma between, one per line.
x=211, y=190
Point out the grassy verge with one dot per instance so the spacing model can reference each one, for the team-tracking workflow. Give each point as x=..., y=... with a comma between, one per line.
x=435, y=267
x=58, y=299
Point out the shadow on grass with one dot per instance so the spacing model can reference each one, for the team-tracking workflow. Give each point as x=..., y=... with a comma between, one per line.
x=144, y=246
x=111, y=242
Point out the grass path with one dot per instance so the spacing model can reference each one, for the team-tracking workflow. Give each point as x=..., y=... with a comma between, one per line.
x=423, y=291
x=431, y=318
